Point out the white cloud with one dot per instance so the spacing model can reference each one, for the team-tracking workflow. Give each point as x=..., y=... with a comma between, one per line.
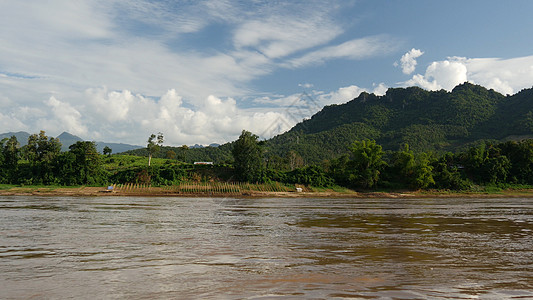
x=380, y=89
x=279, y=36
x=342, y=95
x=506, y=76
x=5, y=102
x=12, y=122
x=354, y=49
x=112, y=106
x=306, y=85
x=408, y=60
x=442, y=75
x=345, y=94
x=212, y=120
x=63, y=116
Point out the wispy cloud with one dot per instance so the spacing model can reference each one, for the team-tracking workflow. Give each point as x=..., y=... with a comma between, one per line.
x=279, y=36
x=354, y=49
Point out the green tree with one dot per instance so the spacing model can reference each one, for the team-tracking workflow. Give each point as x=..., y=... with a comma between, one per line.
x=107, y=150
x=10, y=153
x=154, y=145
x=3, y=170
x=42, y=152
x=88, y=164
x=183, y=152
x=310, y=175
x=248, y=156
x=447, y=174
x=487, y=164
x=66, y=169
x=423, y=172
x=416, y=172
x=367, y=163
x=338, y=169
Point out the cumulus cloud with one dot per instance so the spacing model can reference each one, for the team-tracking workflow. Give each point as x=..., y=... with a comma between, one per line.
x=345, y=94
x=64, y=116
x=442, y=75
x=506, y=76
x=408, y=61
x=213, y=119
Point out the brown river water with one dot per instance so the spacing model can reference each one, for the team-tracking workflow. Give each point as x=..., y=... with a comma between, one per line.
x=214, y=248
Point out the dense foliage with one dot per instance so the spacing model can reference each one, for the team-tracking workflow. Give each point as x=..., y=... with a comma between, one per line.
x=248, y=156
x=365, y=167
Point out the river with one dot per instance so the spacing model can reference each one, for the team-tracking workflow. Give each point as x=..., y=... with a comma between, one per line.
x=227, y=248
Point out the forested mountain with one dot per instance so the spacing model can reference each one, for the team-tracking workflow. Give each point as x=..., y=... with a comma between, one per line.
x=426, y=120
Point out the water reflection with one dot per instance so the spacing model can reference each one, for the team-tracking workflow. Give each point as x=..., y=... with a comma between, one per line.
x=265, y=248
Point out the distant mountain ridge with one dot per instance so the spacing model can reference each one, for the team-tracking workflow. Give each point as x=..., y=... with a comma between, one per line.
x=68, y=139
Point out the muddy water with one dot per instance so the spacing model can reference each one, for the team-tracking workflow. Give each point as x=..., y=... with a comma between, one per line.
x=145, y=248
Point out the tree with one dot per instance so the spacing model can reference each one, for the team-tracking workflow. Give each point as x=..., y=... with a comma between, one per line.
x=367, y=163
x=88, y=164
x=3, y=170
x=171, y=154
x=10, y=153
x=107, y=150
x=423, y=172
x=447, y=173
x=248, y=157
x=486, y=164
x=310, y=175
x=413, y=171
x=295, y=160
x=154, y=145
x=42, y=152
x=183, y=152
x=521, y=156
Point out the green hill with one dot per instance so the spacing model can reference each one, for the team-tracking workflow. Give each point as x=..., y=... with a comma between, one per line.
x=428, y=121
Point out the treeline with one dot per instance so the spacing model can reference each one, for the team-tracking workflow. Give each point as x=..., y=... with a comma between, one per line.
x=42, y=162
x=368, y=166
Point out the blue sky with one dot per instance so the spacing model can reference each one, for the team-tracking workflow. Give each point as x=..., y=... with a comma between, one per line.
x=202, y=71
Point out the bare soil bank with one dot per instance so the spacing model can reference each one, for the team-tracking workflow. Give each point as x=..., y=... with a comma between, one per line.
x=162, y=192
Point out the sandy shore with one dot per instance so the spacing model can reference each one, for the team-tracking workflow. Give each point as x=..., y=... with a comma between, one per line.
x=162, y=192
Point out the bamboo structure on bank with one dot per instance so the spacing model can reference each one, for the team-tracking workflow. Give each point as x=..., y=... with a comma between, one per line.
x=206, y=188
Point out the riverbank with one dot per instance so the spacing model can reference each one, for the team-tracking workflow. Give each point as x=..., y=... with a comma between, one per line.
x=304, y=193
